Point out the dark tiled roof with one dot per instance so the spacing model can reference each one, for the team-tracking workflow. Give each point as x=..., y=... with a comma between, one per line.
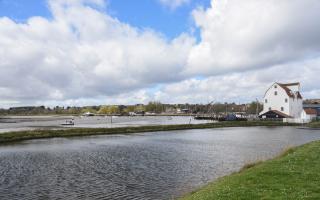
x=299, y=95
x=288, y=91
x=277, y=113
x=281, y=113
x=311, y=111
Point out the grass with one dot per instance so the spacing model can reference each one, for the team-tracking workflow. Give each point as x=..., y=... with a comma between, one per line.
x=39, y=134
x=295, y=174
x=315, y=124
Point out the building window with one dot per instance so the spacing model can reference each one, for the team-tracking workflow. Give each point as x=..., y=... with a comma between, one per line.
x=275, y=93
x=286, y=100
x=275, y=86
x=269, y=108
x=266, y=100
x=282, y=108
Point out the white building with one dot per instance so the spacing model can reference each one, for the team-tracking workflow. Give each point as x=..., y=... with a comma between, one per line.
x=308, y=114
x=282, y=101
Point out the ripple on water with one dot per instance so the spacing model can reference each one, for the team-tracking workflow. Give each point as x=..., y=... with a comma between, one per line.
x=147, y=166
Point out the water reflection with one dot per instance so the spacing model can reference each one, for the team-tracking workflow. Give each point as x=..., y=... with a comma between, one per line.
x=143, y=166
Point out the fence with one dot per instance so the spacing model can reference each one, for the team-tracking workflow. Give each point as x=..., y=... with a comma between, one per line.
x=296, y=120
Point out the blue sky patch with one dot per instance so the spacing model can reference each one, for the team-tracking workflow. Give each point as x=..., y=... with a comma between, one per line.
x=145, y=14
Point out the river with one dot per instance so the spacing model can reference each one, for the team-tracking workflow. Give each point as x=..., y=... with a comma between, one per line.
x=161, y=165
x=22, y=123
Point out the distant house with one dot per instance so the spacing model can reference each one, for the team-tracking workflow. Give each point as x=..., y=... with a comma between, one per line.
x=312, y=101
x=282, y=101
x=314, y=104
x=309, y=114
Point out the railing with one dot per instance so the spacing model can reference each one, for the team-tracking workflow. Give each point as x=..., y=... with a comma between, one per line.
x=296, y=120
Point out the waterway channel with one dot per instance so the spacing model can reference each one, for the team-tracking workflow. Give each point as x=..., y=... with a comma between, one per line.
x=161, y=165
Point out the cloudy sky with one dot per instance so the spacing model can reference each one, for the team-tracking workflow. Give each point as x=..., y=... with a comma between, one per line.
x=89, y=52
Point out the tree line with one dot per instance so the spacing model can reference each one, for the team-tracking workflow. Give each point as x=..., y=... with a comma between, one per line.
x=153, y=107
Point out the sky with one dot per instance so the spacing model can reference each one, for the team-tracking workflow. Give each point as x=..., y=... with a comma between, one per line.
x=95, y=52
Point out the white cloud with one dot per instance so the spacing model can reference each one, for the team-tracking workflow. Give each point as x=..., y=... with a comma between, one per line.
x=72, y=56
x=173, y=4
x=252, y=34
x=84, y=56
x=243, y=86
x=126, y=98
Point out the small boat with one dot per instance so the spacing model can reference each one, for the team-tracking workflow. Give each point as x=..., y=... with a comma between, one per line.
x=68, y=123
x=88, y=114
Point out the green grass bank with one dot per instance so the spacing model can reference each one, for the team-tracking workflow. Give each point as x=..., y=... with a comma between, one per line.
x=315, y=124
x=74, y=132
x=293, y=175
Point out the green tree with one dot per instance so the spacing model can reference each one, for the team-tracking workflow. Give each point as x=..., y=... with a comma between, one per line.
x=109, y=110
x=253, y=107
x=155, y=107
x=140, y=108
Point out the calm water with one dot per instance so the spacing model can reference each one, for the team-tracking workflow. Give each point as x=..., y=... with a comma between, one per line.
x=30, y=123
x=159, y=165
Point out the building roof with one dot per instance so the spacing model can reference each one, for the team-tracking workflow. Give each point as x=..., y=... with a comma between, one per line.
x=299, y=95
x=310, y=111
x=281, y=114
x=276, y=112
x=289, y=92
x=289, y=84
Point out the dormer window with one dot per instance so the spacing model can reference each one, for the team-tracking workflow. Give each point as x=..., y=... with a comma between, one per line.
x=275, y=93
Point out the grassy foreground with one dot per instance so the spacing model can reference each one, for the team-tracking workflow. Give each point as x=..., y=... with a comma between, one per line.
x=38, y=134
x=293, y=175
